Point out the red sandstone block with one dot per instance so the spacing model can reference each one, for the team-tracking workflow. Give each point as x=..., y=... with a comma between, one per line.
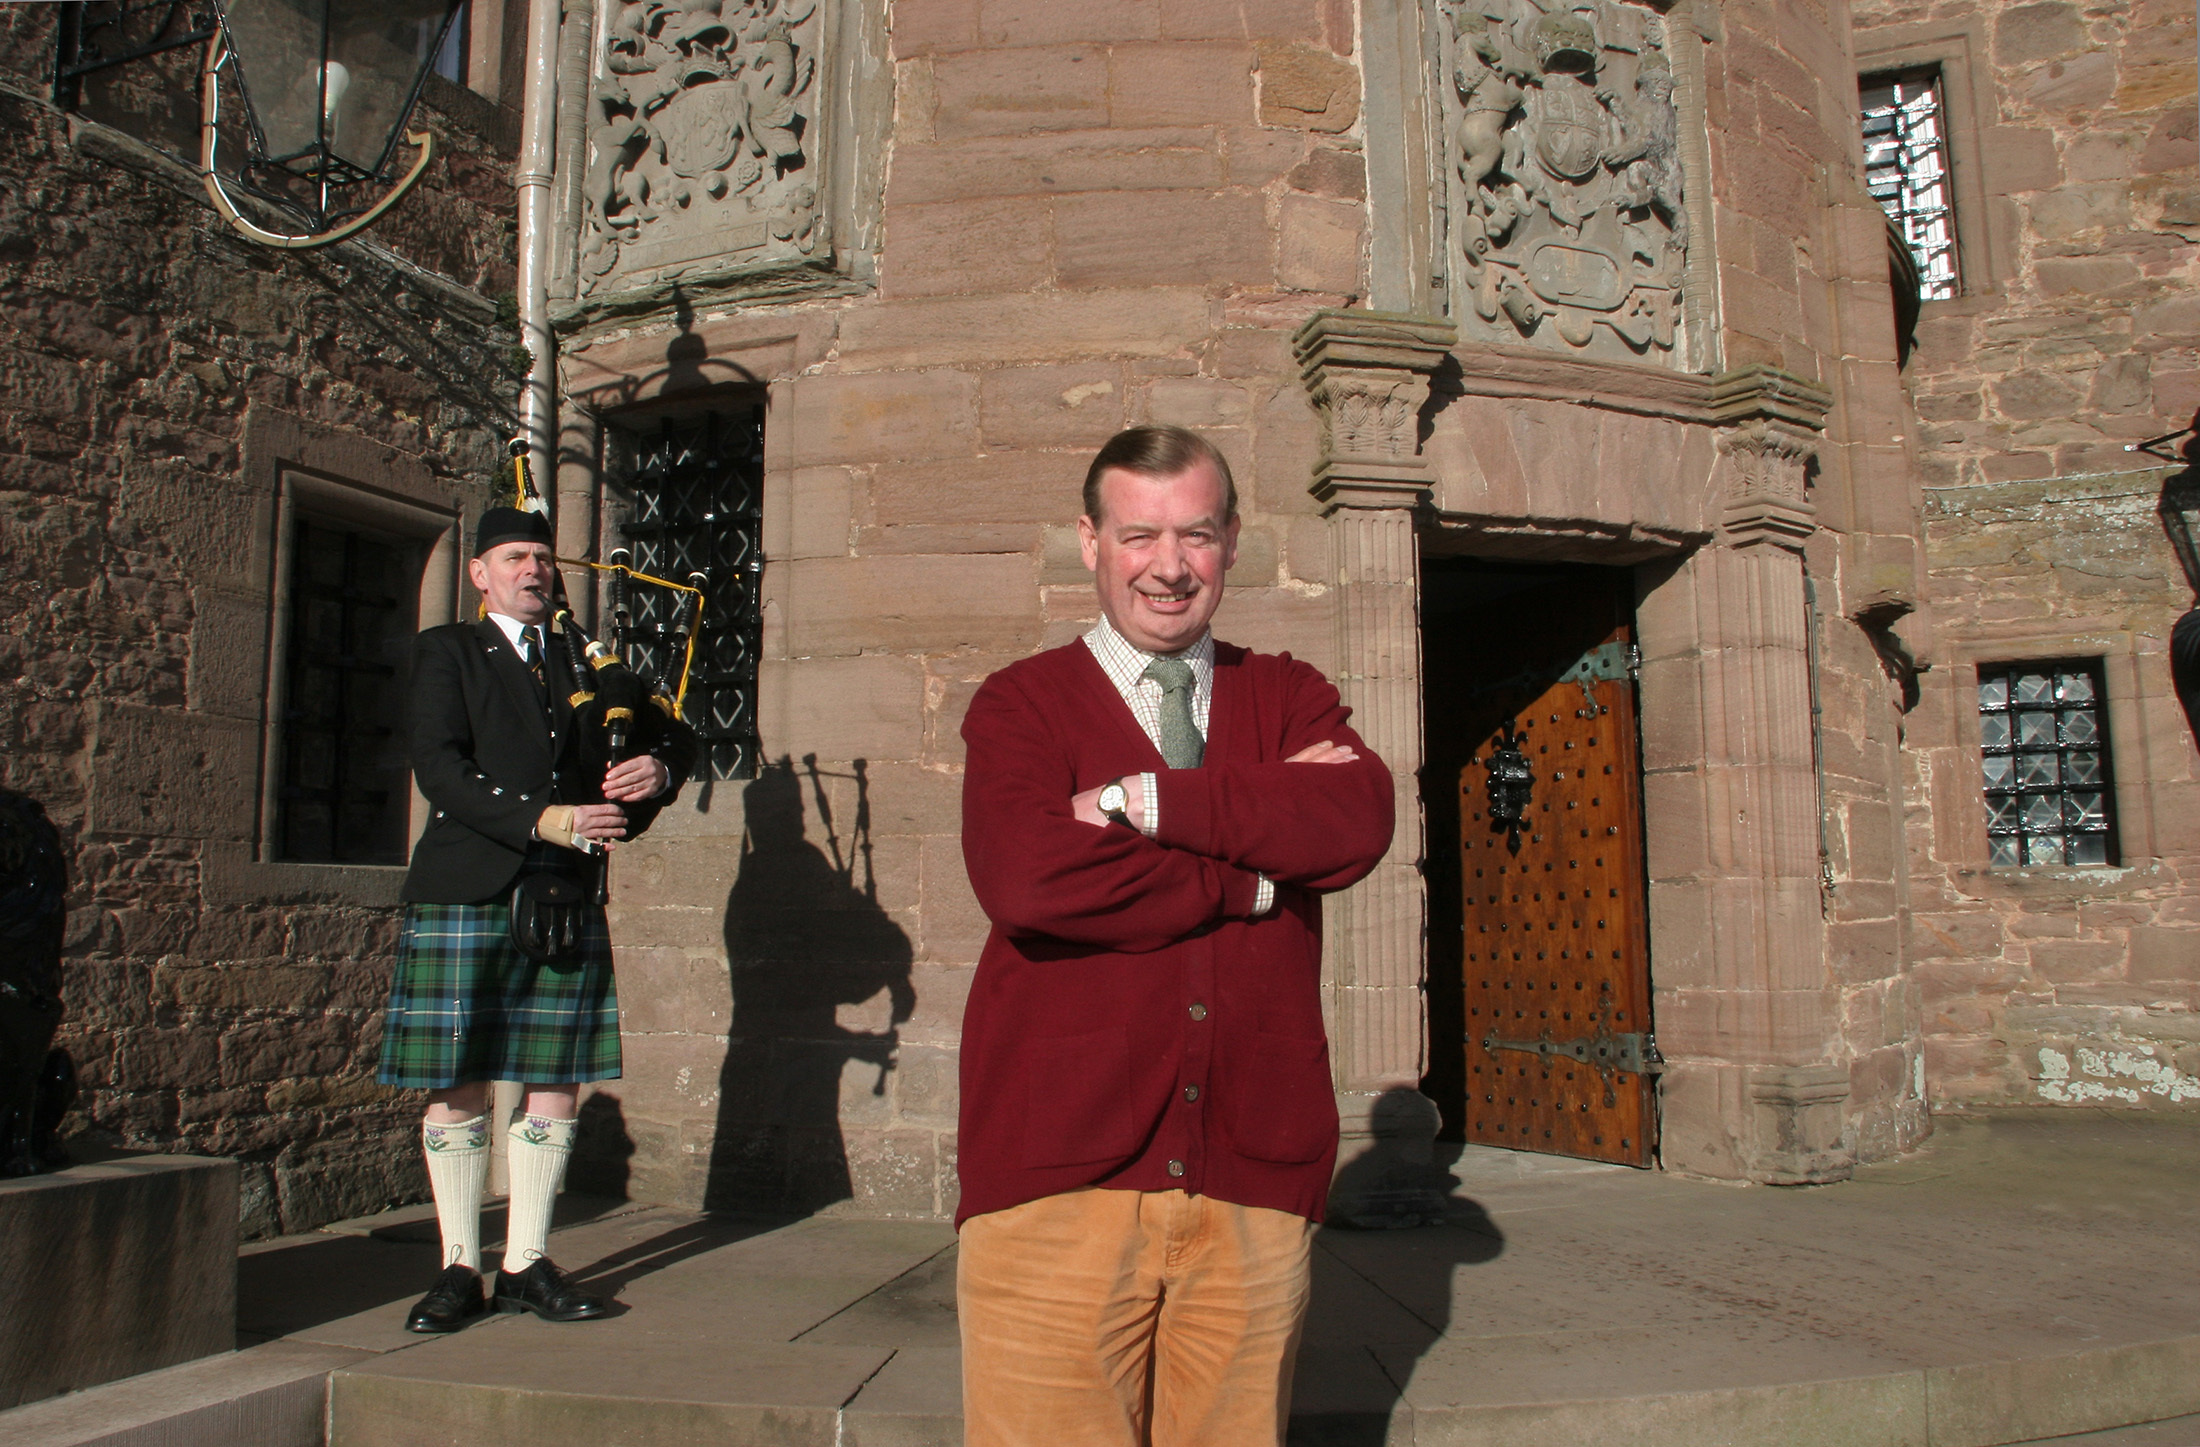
x=944, y=331
x=1078, y=406
x=1196, y=402
x=2078, y=961
x=2020, y=159
x=1162, y=238
x=1319, y=245
x=1256, y=155
x=1052, y=164
x=844, y=606
x=1277, y=620
x=912, y=799
x=1340, y=175
x=1308, y=87
x=1180, y=84
x=2028, y=34
x=842, y=708
x=2087, y=276
x=1243, y=19
x=2161, y=955
x=1756, y=56
x=1012, y=92
x=953, y=927
x=920, y=26
x=882, y=417
x=1003, y=487
x=998, y=244
x=1050, y=22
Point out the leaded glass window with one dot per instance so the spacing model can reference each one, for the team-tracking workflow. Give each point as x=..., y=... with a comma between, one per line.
x=697, y=487
x=2050, y=793
x=1906, y=170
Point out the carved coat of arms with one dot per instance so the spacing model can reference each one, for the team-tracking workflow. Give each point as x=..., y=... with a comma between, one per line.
x=700, y=156
x=1567, y=226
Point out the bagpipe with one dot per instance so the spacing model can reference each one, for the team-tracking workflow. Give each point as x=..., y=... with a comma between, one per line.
x=620, y=712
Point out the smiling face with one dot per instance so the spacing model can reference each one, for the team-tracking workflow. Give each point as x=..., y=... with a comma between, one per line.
x=515, y=579
x=1157, y=553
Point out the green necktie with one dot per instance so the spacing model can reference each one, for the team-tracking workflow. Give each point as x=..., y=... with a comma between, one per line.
x=1181, y=745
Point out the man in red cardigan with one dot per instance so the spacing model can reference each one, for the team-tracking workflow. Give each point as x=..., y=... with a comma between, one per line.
x=1150, y=818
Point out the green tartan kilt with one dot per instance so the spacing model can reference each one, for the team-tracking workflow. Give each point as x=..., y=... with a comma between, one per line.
x=466, y=1005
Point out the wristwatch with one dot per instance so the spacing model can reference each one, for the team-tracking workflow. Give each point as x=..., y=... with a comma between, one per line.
x=1115, y=801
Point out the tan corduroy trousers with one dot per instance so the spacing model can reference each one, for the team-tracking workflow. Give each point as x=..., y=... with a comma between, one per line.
x=1130, y=1319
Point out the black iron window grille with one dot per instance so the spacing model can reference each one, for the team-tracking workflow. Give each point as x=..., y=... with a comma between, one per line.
x=344, y=791
x=697, y=485
x=1906, y=170
x=2050, y=790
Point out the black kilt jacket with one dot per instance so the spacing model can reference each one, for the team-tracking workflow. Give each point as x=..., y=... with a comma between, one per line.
x=491, y=749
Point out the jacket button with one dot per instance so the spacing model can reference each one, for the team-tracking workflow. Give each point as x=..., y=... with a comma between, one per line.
x=1176, y=1168
x=1199, y=1011
x=1191, y=1092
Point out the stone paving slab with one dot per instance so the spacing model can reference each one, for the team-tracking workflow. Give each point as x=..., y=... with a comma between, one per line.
x=267, y=1396
x=2029, y=1274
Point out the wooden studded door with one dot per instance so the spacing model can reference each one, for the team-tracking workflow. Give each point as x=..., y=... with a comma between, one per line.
x=1554, y=948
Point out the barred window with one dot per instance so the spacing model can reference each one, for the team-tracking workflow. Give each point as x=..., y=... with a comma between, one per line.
x=697, y=487
x=2050, y=791
x=343, y=792
x=1906, y=170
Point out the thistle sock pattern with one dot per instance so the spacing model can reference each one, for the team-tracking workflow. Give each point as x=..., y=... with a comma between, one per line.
x=1181, y=744
x=540, y=1147
x=458, y=1172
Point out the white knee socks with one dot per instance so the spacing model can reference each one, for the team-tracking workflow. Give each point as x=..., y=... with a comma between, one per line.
x=540, y=1147
x=458, y=1170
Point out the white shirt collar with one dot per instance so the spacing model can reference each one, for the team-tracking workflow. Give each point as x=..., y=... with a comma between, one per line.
x=513, y=628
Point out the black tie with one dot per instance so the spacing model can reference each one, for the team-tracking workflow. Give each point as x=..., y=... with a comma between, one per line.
x=531, y=650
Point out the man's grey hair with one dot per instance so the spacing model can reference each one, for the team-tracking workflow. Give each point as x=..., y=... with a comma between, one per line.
x=1158, y=452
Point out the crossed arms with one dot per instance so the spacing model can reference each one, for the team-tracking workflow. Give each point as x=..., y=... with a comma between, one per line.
x=1039, y=870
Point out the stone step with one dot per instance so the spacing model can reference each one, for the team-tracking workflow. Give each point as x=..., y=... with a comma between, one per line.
x=274, y=1395
x=643, y=1393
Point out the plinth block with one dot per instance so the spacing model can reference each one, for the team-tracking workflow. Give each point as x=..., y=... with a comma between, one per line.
x=112, y=1268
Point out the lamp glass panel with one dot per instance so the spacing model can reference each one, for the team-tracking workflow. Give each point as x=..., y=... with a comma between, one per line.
x=377, y=53
x=277, y=45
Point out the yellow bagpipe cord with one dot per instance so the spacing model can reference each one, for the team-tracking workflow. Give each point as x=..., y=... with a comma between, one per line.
x=523, y=487
x=687, y=665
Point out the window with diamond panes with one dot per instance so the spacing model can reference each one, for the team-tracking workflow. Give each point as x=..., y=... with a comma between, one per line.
x=1906, y=170
x=2050, y=795
x=697, y=485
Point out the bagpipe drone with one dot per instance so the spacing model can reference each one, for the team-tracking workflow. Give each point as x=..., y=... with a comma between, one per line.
x=620, y=712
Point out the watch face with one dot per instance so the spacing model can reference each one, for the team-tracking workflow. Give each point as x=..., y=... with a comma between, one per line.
x=1113, y=799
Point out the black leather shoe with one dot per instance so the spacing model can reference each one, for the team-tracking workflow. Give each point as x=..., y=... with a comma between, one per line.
x=547, y=1292
x=455, y=1299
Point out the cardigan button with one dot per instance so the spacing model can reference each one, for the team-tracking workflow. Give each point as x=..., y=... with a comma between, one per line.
x=1176, y=1168
x=1191, y=1092
x=1199, y=1011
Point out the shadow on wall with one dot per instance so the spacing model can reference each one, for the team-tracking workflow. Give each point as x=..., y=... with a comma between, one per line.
x=805, y=937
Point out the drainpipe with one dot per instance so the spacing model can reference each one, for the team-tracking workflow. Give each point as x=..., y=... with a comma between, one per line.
x=1817, y=725
x=537, y=168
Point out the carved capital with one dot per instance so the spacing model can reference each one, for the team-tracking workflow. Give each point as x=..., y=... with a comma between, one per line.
x=1772, y=420
x=1368, y=374
x=1766, y=494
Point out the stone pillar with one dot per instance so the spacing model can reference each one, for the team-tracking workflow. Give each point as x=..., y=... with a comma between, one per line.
x=1368, y=374
x=1745, y=1009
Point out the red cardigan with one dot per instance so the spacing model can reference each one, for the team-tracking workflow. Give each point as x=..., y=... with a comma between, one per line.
x=1129, y=1026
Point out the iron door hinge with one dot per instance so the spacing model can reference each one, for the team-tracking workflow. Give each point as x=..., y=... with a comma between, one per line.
x=1634, y=1053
